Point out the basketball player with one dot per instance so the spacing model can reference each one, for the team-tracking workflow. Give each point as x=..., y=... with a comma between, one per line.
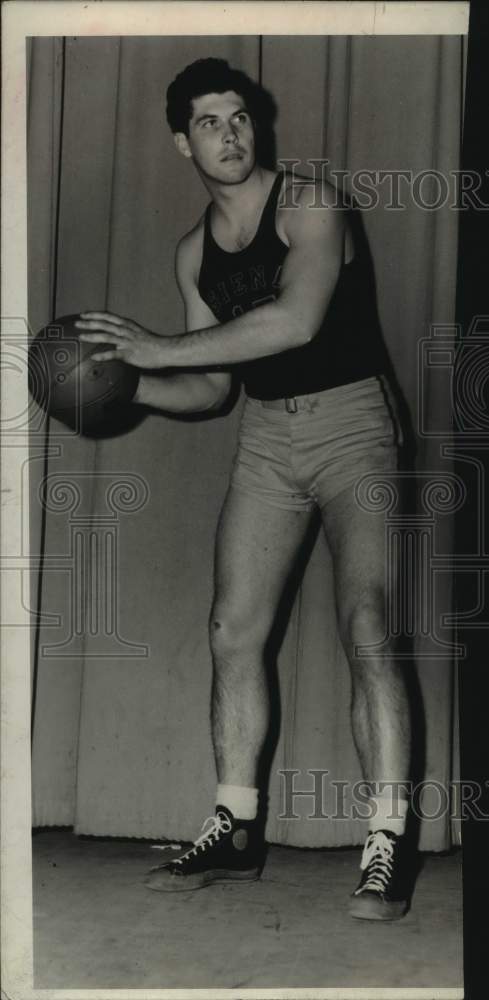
x=278, y=294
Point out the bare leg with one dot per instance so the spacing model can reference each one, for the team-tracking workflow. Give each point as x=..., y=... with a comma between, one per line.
x=380, y=707
x=255, y=550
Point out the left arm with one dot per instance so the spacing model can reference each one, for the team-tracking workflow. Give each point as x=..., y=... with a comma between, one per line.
x=308, y=280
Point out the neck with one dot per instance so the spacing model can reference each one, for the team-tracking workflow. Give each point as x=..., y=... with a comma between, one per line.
x=239, y=200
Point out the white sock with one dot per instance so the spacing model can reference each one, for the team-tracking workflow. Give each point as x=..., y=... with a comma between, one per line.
x=388, y=812
x=239, y=799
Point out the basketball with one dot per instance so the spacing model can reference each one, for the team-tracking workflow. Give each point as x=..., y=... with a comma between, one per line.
x=69, y=385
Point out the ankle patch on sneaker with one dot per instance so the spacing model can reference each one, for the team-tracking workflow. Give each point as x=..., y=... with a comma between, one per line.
x=240, y=839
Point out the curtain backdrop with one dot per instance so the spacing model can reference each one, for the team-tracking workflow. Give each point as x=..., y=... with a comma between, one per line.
x=121, y=739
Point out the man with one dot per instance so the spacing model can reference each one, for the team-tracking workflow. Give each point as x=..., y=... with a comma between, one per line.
x=278, y=294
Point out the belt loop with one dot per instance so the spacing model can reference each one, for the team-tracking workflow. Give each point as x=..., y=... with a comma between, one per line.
x=291, y=405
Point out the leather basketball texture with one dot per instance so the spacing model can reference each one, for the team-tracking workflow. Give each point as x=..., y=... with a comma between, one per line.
x=68, y=384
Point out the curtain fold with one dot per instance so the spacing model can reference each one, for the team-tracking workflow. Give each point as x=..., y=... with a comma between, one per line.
x=122, y=735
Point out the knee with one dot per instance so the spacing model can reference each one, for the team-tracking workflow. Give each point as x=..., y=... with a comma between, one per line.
x=364, y=622
x=222, y=635
x=232, y=635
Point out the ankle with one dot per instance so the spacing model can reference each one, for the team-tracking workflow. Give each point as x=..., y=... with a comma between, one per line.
x=241, y=800
x=388, y=812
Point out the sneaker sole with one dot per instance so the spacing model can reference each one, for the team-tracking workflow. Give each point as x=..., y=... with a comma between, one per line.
x=372, y=909
x=187, y=883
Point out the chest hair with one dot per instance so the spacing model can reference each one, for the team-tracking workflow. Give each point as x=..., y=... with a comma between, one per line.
x=242, y=239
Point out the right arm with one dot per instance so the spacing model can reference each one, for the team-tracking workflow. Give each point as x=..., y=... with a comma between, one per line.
x=187, y=392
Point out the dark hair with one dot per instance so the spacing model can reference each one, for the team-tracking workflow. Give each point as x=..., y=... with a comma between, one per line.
x=209, y=76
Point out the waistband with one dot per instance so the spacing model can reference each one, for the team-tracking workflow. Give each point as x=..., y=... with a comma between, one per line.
x=294, y=404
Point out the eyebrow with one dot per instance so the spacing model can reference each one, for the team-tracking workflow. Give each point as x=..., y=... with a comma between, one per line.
x=211, y=114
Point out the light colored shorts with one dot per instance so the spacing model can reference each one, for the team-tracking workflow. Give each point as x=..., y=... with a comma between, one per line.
x=302, y=459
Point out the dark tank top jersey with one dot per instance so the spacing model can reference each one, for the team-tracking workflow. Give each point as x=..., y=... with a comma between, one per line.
x=348, y=345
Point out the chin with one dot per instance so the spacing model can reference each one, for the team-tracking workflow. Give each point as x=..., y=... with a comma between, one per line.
x=231, y=172
x=236, y=171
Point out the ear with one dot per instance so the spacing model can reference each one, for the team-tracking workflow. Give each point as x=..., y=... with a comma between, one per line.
x=181, y=142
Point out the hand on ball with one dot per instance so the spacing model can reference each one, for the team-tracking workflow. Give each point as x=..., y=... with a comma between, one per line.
x=132, y=342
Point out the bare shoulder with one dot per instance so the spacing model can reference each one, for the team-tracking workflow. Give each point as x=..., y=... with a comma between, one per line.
x=188, y=254
x=309, y=193
x=310, y=209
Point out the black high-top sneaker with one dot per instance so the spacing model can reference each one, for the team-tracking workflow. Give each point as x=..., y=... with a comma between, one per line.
x=228, y=849
x=384, y=886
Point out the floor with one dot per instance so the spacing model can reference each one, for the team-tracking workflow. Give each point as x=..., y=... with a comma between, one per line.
x=97, y=926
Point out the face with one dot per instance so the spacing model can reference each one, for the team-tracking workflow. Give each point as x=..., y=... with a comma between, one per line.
x=221, y=138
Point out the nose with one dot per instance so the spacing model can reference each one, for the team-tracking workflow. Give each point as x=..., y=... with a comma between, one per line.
x=230, y=134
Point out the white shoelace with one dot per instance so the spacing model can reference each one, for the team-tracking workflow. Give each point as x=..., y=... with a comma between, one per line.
x=220, y=823
x=378, y=852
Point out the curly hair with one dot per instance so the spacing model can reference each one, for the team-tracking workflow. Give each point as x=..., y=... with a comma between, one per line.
x=210, y=76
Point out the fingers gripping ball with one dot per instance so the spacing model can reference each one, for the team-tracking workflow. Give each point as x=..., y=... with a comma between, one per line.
x=69, y=385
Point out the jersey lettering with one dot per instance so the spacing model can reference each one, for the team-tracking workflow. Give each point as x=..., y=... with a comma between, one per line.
x=257, y=277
